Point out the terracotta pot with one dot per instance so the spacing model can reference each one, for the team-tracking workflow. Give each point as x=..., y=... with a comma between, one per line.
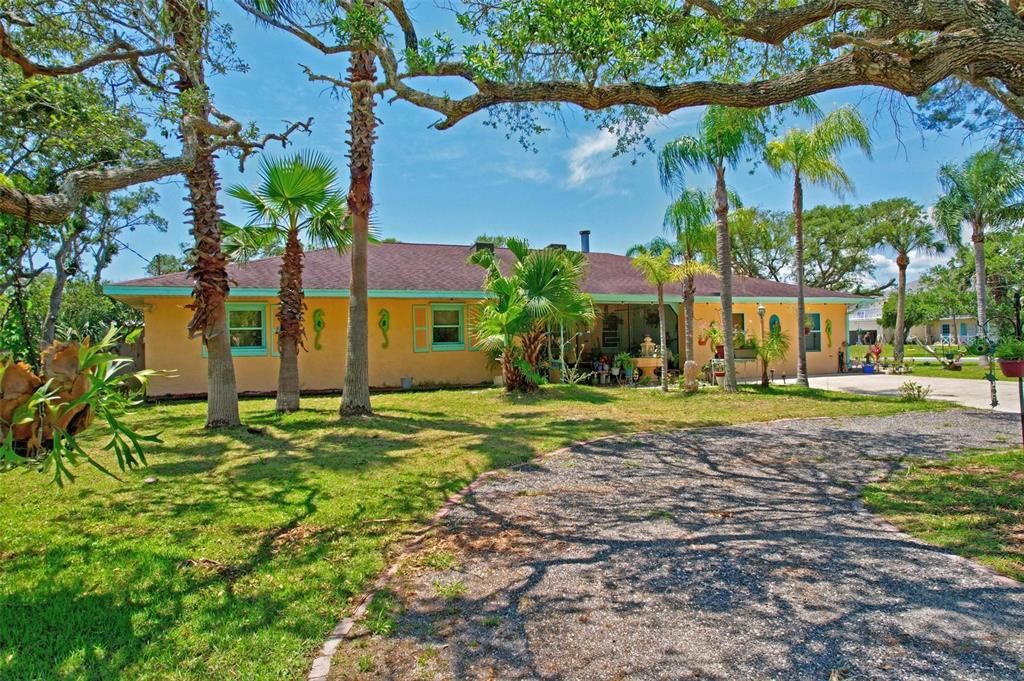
x=702, y=341
x=720, y=351
x=1012, y=368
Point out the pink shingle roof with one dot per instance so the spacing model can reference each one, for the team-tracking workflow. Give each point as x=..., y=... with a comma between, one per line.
x=438, y=267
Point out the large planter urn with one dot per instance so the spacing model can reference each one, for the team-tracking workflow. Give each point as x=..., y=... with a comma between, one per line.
x=1012, y=368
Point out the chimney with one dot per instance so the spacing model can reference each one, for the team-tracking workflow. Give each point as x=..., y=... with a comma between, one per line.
x=483, y=246
x=585, y=240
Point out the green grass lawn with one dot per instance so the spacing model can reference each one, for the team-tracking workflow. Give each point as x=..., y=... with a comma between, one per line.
x=239, y=560
x=970, y=371
x=972, y=505
x=909, y=350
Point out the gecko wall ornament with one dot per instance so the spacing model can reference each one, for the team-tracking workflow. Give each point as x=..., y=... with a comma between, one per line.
x=384, y=322
x=828, y=331
x=318, y=327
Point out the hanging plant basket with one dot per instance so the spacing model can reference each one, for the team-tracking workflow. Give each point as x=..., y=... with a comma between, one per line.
x=1012, y=368
x=702, y=341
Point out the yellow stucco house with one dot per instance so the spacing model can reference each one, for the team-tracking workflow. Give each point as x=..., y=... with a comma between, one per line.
x=421, y=302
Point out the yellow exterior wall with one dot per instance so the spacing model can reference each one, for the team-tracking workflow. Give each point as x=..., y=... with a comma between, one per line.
x=824, y=362
x=168, y=347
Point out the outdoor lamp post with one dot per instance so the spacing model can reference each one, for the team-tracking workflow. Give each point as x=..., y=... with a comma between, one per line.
x=764, y=364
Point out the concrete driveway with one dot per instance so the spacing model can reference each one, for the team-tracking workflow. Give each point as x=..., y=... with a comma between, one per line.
x=968, y=392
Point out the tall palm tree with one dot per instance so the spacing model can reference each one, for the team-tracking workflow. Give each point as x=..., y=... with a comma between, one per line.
x=362, y=74
x=722, y=138
x=658, y=269
x=813, y=155
x=541, y=291
x=902, y=226
x=688, y=220
x=986, y=192
x=187, y=21
x=362, y=125
x=295, y=195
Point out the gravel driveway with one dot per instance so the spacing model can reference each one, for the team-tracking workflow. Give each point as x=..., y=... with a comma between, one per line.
x=721, y=553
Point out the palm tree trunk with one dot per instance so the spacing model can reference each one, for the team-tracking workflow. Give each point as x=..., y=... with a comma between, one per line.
x=902, y=261
x=725, y=272
x=362, y=71
x=981, y=291
x=209, y=267
x=663, y=338
x=289, y=321
x=801, y=339
x=689, y=290
x=980, y=278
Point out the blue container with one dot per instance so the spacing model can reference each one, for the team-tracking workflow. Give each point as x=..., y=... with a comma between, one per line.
x=869, y=368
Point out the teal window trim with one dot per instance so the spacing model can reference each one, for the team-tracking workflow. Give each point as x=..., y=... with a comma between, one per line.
x=251, y=351
x=742, y=326
x=448, y=346
x=774, y=323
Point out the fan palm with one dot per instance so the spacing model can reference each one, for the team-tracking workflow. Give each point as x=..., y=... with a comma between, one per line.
x=986, y=192
x=772, y=348
x=688, y=219
x=722, y=138
x=541, y=291
x=296, y=195
x=813, y=155
x=902, y=226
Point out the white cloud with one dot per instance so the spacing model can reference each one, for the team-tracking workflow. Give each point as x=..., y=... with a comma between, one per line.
x=591, y=158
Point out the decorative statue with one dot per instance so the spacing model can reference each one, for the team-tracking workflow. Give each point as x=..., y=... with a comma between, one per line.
x=690, y=376
x=648, y=347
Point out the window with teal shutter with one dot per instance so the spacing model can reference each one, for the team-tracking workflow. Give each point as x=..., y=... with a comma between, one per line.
x=447, y=327
x=774, y=324
x=813, y=320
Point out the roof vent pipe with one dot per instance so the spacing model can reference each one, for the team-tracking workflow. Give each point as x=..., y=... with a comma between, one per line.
x=585, y=240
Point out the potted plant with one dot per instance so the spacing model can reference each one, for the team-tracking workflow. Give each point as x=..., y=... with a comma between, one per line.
x=713, y=335
x=746, y=346
x=1010, y=353
x=624, y=363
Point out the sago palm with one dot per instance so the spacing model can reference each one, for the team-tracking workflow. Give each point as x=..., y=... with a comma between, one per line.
x=688, y=221
x=986, y=192
x=541, y=291
x=659, y=270
x=296, y=197
x=813, y=156
x=723, y=137
x=902, y=226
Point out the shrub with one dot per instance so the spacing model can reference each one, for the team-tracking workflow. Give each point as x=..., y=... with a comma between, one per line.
x=912, y=391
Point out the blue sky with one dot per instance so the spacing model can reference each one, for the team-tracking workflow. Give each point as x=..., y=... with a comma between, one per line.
x=449, y=186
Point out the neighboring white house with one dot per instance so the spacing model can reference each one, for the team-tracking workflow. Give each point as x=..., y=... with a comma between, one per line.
x=862, y=323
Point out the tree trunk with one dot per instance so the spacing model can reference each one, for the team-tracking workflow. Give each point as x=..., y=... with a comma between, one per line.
x=725, y=273
x=689, y=290
x=355, y=400
x=980, y=282
x=902, y=261
x=663, y=339
x=801, y=313
x=289, y=324
x=60, y=279
x=209, y=269
x=981, y=291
